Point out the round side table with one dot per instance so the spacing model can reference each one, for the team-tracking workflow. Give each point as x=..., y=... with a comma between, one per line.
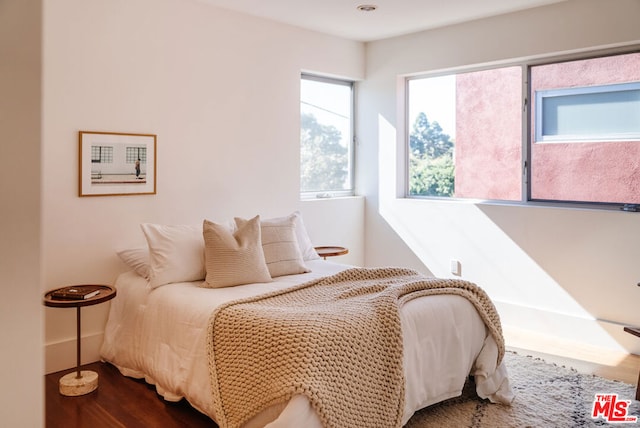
x=79, y=382
x=325, y=252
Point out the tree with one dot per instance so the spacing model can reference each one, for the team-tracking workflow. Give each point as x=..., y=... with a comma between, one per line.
x=432, y=177
x=428, y=139
x=324, y=160
x=431, y=166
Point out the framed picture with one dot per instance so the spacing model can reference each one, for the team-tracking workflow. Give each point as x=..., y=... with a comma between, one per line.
x=113, y=163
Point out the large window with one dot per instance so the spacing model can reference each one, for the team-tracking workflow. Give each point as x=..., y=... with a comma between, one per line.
x=561, y=131
x=326, y=137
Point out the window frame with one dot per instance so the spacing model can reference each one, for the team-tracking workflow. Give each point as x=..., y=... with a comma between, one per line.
x=528, y=129
x=317, y=194
x=540, y=96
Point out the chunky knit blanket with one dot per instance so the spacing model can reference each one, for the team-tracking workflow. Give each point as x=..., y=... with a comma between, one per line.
x=336, y=340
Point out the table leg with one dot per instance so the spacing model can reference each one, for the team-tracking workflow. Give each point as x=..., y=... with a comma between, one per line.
x=79, y=382
x=78, y=347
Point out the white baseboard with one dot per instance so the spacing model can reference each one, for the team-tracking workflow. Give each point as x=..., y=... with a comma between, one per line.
x=62, y=355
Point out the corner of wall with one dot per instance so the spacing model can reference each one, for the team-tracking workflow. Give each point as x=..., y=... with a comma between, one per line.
x=337, y=221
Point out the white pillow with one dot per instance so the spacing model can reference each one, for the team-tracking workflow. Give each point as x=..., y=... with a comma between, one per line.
x=176, y=253
x=304, y=242
x=280, y=246
x=137, y=259
x=234, y=257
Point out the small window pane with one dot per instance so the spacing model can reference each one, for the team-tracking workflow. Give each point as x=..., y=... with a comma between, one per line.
x=590, y=113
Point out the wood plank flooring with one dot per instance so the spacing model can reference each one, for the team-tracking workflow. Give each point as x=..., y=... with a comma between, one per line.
x=123, y=402
x=119, y=402
x=614, y=365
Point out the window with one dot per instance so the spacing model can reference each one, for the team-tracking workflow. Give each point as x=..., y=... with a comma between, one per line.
x=101, y=154
x=326, y=136
x=559, y=130
x=135, y=153
x=465, y=135
x=604, y=113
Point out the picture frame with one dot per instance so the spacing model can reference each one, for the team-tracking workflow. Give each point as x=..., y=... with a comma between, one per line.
x=115, y=164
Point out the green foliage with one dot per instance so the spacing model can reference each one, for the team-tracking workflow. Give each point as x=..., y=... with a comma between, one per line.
x=324, y=160
x=431, y=165
x=431, y=177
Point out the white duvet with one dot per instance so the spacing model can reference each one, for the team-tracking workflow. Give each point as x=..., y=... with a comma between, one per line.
x=161, y=335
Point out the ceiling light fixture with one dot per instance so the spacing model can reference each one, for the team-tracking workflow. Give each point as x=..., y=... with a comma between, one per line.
x=367, y=7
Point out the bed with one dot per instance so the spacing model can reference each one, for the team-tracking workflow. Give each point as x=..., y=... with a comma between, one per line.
x=159, y=326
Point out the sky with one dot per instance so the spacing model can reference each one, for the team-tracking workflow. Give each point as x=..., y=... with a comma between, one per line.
x=330, y=104
x=435, y=97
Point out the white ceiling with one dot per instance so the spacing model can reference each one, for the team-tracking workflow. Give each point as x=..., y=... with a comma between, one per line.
x=392, y=17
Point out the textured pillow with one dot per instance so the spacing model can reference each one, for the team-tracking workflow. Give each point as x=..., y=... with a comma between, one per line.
x=304, y=242
x=137, y=259
x=280, y=246
x=234, y=257
x=176, y=253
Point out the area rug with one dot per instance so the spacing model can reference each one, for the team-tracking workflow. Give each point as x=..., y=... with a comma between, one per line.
x=547, y=396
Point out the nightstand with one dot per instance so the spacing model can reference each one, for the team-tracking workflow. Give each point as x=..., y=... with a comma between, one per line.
x=79, y=382
x=325, y=252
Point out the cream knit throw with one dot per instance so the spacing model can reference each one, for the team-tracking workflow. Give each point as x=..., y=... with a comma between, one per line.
x=337, y=340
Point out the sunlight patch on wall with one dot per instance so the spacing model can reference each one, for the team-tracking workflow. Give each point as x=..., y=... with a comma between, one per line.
x=441, y=231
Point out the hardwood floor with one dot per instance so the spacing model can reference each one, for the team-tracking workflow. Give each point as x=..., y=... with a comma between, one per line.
x=124, y=402
x=601, y=362
x=118, y=402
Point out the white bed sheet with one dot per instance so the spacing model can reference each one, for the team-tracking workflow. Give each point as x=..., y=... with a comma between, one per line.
x=161, y=335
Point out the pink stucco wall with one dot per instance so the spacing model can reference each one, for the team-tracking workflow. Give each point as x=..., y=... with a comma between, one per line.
x=585, y=171
x=488, y=148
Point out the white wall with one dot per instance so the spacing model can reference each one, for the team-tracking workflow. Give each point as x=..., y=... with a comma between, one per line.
x=220, y=90
x=337, y=221
x=21, y=310
x=567, y=273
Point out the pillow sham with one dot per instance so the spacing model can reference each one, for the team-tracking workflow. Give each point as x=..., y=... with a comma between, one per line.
x=280, y=246
x=234, y=257
x=176, y=253
x=304, y=242
x=137, y=259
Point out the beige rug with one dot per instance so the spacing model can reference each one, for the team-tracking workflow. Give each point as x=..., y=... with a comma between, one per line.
x=546, y=396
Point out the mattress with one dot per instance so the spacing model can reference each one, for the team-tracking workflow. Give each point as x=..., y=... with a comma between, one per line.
x=160, y=335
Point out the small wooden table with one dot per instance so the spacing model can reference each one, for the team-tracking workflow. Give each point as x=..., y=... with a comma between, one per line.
x=79, y=382
x=325, y=252
x=635, y=332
